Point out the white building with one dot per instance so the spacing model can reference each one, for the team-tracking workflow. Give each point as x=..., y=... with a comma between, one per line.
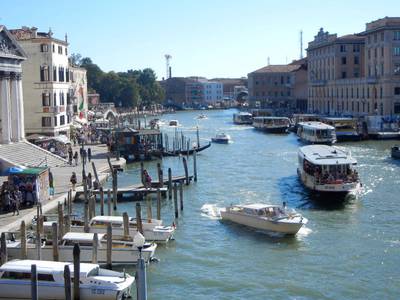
x=79, y=93
x=213, y=92
x=46, y=82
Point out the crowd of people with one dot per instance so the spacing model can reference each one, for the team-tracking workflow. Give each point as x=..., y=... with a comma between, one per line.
x=17, y=193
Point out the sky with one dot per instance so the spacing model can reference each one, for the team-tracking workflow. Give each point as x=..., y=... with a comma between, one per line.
x=210, y=38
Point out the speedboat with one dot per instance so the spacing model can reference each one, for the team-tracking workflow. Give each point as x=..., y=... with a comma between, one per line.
x=395, y=152
x=324, y=168
x=123, y=251
x=271, y=218
x=95, y=283
x=221, y=138
x=173, y=123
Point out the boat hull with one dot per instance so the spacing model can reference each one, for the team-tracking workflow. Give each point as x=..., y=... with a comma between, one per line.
x=289, y=228
x=281, y=129
x=220, y=141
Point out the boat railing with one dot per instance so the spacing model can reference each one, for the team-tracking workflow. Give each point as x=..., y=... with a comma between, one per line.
x=339, y=179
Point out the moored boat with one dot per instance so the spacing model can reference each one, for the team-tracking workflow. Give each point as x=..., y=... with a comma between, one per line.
x=324, y=168
x=173, y=123
x=221, y=138
x=346, y=129
x=271, y=218
x=316, y=133
x=395, y=152
x=243, y=118
x=95, y=283
x=123, y=252
x=272, y=124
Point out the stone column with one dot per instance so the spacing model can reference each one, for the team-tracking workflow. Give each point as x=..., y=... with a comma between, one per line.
x=20, y=105
x=15, y=116
x=5, y=107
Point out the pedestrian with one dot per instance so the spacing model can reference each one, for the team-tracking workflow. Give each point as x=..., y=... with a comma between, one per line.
x=147, y=179
x=76, y=158
x=89, y=181
x=51, y=183
x=89, y=153
x=70, y=154
x=73, y=180
x=14, y=203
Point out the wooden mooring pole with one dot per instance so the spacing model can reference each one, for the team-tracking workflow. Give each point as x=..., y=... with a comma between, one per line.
x=109, y=246
x=101, y=201
x=176, y=200
x=115, y=188
x=34, y=283
x=3, y=248
x=195, y=166
x=149, y=211
x=23, y=241
x=125, y=218
x=158, y=204
x=139, y=224
x=186, y=170
x=54, y=235
x=169, y=183
x=109, y=202
x=95, y=247
x=77, y=270
x=67, y=283
x=60, y=221
x=181, y=193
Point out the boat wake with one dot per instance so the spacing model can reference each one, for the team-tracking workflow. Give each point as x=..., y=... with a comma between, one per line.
x=304, y=231
x=211, y=211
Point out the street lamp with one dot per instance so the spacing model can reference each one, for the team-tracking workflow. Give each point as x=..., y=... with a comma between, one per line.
x=141, y=285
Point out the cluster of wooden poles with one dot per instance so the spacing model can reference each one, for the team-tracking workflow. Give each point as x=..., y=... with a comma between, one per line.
x=180, y=142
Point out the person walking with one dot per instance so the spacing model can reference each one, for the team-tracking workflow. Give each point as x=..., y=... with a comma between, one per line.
x=147, y=179
x=14, y=203
x=89, y=181
x=73, y=180
x=76, y=158
x=51, y=183
x=89, y=153
x=84, y=156
x=70, y=154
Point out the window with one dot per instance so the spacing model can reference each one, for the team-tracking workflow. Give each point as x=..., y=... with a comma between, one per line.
x=46, y=99
x=44, y=48
x=397, y=90
x=382, y=51
x=62, y=98
x=61, y=74
x=356, y=60
x=45, y=277
x=66, y=51
x=396, y=51
x=44, y=73
x=16, y=275
x=60, y=50
x=382, y=36
x=356, y=74
x=55, y=121
x=62, y=120
x=55, y=99
x=342, y=48
x=397, y=69
x=381, y=92
x=344, y=60
x=397, y=108
x=46, y=121
x=356, y=48
x=67, y=75
x=396, y=36
x=54, y=73
x=54, y=48
x=369, y=53
x=376, y=52
x=344, y=75
x=382, y=69
x=375, y=38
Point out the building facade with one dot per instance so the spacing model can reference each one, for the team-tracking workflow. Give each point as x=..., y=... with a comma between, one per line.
x=356, y=74
x=46, y=82
x=78, y=102
x=278, y=86
x=213, y=92
x=11, y=95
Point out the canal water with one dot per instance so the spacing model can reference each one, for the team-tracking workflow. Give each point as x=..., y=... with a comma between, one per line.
x=346, y=251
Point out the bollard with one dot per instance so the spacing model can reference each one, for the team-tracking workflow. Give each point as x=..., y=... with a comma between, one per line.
x=94, y=249
x=139, y=224
x=23, y=241
x=34, y=283
x=67, y=283
x=158, y=204
x=54, y=236
x=126, y=224
x=169, y=183
x=77, y=269
x=3, y=248
x=176, y=200
x=101, y=201
x=109, y=246
x=181, y=193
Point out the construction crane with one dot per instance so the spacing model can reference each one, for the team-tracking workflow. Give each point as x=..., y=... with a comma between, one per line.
x=167, y=59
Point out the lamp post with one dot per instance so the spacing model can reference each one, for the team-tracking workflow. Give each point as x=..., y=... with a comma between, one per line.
x=141, y=285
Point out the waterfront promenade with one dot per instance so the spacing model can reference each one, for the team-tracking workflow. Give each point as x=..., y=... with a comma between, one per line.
x=62, y=175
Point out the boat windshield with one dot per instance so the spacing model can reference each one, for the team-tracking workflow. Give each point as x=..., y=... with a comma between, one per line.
x=93, y=272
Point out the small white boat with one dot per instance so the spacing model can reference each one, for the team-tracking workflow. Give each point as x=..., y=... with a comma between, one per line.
x=324, y=168
x=202, y=116
x=123, y=252
x=173, y=123
x=95, y=283
x=271, y=218
x=316, y=133
x=221, y=138
x=243, y=118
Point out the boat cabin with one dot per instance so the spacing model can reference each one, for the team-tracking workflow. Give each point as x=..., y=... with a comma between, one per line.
x=316, y=132
x=260, y=210
x=81, y=238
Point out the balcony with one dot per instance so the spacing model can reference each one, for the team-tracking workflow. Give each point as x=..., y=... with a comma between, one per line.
x=372, y=80
x=319, y=82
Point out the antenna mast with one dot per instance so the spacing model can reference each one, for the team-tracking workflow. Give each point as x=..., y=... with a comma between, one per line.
x=168, y=68
x=301, y=44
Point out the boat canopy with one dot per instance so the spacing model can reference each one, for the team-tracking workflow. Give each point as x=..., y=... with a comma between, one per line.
x=326, y=155
x=81, y=237
x=256, y=206
x=316, y=125
x=45, y=267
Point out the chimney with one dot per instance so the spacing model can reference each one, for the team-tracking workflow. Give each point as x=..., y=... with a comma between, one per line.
x=34, y=32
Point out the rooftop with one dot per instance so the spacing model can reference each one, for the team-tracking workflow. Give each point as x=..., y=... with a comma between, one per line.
x=326, y=155
x=81, y=236
x=316, y=125
x=278, y=69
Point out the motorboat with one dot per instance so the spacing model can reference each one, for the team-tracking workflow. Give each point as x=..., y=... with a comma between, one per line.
x=272, y=124
x=396, y=152
x=316, y=133
x=153, y=230
x=201, y=116
x=243, y=118
x=270, y=218
x=329, y=169
x=221, y=138
x=346, y=129
x=173, y=123
x=123, y=251
x=95, y=283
